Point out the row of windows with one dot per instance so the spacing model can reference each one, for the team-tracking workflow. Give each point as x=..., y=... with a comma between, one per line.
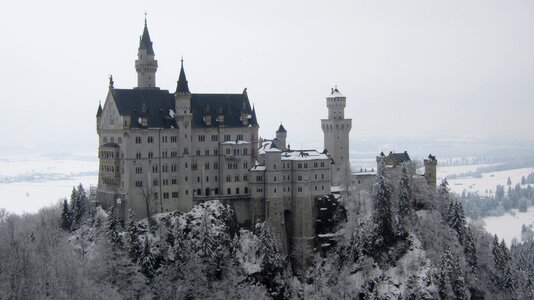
x=194, y=166
x=108, y=154
x=150, y=139
x=237, y=178
x=237, y=151
x=112, y=139
x=207, y=152
x=109, y=169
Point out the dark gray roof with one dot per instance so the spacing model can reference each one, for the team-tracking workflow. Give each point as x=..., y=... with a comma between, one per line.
x=99, y=110
x=111, y=145
x=145, y=43
x=182, y=87
x=281, y=129
x=401, y=157
x=229, y=105
x=155, y=105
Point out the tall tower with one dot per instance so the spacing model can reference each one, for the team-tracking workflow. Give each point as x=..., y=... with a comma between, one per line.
x=430, y=170
x=145, y=64
x=336, y=136
x=183, y=118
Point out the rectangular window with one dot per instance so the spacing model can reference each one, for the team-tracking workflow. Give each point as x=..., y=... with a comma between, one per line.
x=138, y=140
x=215, y=152
x=239, y=137
x=150, y=154
x=150, y=139
x=173, y=168
x=138, y=155
x=138, y=184
x=227, y=137
x=207, y=166
x=165, y=182
x=236, y=178
x=155, y=182
x=173, y=139
x=198, y=152
x=201, y=138
x=175, y=194
x=155, y=169
x=138, y=170
x=174, y=153
x=166, y=195
x=207, y=152
x=214, y=138
x=173, y=181
x=164, y=139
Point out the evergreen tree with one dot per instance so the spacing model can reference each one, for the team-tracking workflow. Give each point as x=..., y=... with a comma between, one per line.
x=381, y=216
x=209, y=251
x=134, y=246
x=403, y=204
x=272, y=261
x=523, y=180
x=444, y=199
x=509, y=181
x=444, y=284
x=65, y=216
x=148, y=262
x=456, y=220
x=470, y=251
x=113, y=227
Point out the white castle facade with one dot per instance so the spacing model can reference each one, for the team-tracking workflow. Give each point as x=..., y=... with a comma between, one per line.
x=163, y=151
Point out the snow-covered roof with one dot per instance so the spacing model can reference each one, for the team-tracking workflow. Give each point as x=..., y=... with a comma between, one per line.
x=235, y=143
x=364, y=173
x=258, y=168
x=335, y=93
x=303, y=155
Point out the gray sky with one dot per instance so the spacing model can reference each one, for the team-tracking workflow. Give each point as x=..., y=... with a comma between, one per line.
x=408, y=68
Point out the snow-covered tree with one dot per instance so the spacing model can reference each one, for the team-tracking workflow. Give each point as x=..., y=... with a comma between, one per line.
x=272, y=262
x=456, y=220
x=470, y=251
x=147, y=263
x=113, y=225
x=444, y=198
x=381, y=216
x=134, y=245
x=65, y=216
x=208, y=248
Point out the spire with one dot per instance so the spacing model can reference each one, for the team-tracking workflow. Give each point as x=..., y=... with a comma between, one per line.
x=281, y=128
x=99, y=111
x=182, y=87
x=145, y=43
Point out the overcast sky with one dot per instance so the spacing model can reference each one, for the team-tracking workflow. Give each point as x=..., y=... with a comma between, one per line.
x=407, y=68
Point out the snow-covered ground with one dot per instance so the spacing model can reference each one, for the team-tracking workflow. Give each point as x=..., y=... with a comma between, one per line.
x=30, y=183
x=508, y=226
x=487, y=182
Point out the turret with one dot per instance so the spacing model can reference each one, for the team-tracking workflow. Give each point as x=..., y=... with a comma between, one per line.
x=430, y=170
x=145, y=65
x=281, y=136
x=336, y=105
x=336, y=131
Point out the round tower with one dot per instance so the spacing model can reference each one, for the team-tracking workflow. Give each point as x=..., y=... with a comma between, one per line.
x=430, y=170
x=145, y=65
x=281, y=136
x=336, y=131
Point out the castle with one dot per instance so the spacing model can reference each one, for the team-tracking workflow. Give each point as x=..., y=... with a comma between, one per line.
x=162, y=151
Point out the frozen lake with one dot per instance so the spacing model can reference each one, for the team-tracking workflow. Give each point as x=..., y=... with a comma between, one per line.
x=30, y=183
